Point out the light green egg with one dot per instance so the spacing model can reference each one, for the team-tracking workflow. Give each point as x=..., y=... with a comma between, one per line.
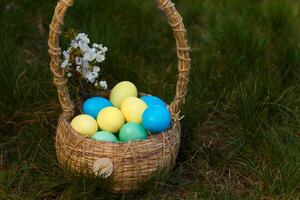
x=132, y=131
x=105, y=136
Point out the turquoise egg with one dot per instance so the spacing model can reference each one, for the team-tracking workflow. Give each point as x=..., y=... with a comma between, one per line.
x=132, y=131
x=153, y=101
x=105, y=136
x=94, y=105
x=156, y=119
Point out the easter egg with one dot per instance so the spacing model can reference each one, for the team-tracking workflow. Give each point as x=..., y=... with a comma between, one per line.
x=121, y=91
x=133, y=109
x=153, y=101
x=110, y=119
x=105, y=136
x=132, y=132
x=156, y=119
x=84, y=124
x=94, y=105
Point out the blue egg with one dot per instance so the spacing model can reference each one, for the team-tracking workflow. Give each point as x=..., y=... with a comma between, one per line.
x=153, y=101
x=94, y=105
x=156, y=119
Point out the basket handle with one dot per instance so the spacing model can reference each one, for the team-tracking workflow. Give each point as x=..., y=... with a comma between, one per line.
x=179, y=31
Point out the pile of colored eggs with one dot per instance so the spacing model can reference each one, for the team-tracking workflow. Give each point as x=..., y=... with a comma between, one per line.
x=124, y=117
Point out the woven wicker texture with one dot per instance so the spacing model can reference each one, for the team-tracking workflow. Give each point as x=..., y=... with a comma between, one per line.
x=132, y=162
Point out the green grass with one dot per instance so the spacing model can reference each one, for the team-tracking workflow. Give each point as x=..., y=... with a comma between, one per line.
x=241, y=127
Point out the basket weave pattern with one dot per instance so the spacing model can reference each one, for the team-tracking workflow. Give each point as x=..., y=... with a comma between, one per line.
x=134, y=161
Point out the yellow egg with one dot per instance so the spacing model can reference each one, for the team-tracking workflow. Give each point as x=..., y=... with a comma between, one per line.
x=133, y=109
x=110, y=119
x=121, y=91
x=84, y=124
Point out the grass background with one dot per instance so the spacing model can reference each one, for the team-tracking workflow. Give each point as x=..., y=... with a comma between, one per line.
x=241, y=125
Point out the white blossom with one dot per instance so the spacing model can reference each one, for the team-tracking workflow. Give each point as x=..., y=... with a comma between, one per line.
x=83, y=37
x=91, y=76
x=104, y=49
x=78, y=60
x=78, y=68
x=96, y=69
x=84, y=47
x=103, y=85
x=99, y=56
x=85, y=64
x=89, y=54
x=98, y=46
x=74, y=44
x=66, y=59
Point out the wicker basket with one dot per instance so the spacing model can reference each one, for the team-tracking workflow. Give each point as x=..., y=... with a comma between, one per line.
x=132, y=162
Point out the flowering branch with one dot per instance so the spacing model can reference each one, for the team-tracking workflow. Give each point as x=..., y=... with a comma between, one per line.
x=81, y=60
